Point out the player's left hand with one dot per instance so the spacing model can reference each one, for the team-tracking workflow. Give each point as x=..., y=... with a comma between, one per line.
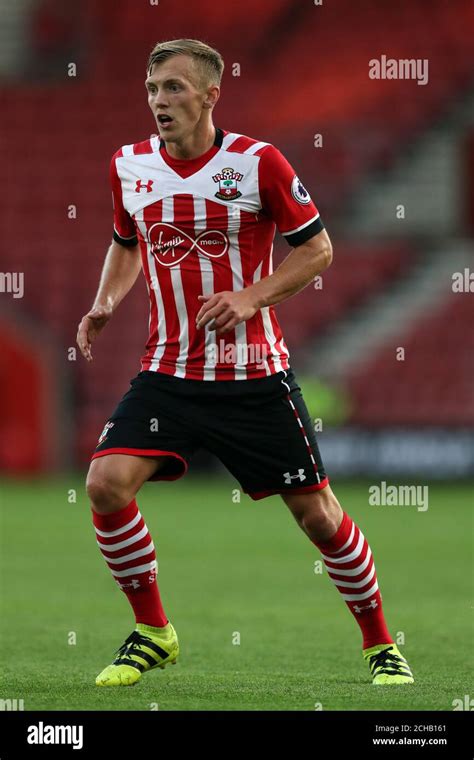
x=223, y=311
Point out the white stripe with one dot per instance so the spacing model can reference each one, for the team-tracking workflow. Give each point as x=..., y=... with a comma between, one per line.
x=355, y=584
x=271, y=337
x=359, y=597
x=133, y=555
x=348, y=542
x=229, y=139
x=318, y=478
x=155, y=144
x=268, y=327
x=270, y=271
x=257, y=276
x=207, y=280
x=349, y=557
x=354, y=570
x=284, y=383
x=134, y=570
x=122, y=544
x=240, y=372
x=254, y=148
x=154, y=293
x=178, y=292
x=127, y=150
x=112, y=533
x=302, y=226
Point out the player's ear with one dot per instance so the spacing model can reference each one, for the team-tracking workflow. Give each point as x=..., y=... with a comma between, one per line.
x=212, y=97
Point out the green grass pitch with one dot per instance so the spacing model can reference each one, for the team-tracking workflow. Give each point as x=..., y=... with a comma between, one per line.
x=229, y=570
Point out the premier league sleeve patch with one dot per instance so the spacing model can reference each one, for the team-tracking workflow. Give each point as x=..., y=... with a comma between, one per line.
x=299, y=192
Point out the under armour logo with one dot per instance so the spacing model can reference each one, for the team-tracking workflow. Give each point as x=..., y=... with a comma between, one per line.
x=143, y=185
x=373, y=604
x=133, y=584
x=300, y=476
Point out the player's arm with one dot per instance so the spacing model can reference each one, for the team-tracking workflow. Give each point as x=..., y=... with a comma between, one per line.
x=286, y=201
x=227, y=309
x=299, y=268
x=119, y=273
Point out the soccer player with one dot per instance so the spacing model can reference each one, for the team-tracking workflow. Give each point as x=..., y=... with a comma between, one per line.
x=196, y=207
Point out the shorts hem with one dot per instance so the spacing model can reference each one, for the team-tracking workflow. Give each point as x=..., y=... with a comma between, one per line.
x=147, y=453
x=256, y=495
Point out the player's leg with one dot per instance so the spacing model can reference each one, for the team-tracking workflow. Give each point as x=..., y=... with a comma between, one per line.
x=122, y=535
x=350, y=565
x=126, y=545
x=268, y=443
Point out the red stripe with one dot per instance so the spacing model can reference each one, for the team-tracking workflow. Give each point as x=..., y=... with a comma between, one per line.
x=143, y=560
x=353, y=563
x=154, y=312
x=349, y=549
x=255, y=495
x=184, y=213
x=143, y=453
x=110, y=541
x=115, y=520
x=241, y=144
x=361, y=590
x=154, y=214
x=142, y=147
x=352, y=578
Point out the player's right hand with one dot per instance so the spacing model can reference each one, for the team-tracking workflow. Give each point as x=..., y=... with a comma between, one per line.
x=89, y=327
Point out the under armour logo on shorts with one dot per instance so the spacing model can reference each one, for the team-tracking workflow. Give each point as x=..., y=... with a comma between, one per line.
x=300, y=476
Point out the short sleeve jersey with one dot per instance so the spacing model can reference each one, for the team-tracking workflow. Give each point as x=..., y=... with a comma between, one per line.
x=206, y=225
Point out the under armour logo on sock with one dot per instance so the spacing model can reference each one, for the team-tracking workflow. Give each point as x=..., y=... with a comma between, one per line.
x=373, y=604
x=300, y=476
x=133, y=584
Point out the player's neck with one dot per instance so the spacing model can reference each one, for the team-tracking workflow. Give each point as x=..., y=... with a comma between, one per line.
x=193, y=146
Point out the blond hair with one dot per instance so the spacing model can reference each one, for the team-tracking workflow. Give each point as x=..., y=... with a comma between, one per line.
x=209, y=62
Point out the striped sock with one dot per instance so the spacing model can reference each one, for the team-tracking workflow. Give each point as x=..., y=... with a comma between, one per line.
x=350, y=566
x=126, y=546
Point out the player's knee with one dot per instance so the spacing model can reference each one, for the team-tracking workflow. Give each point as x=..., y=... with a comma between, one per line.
x=318, y=513
x=107, y=492
x=323, y=516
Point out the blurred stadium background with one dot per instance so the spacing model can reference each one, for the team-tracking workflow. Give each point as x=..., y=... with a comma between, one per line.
x=393, y=179
x=303, y=73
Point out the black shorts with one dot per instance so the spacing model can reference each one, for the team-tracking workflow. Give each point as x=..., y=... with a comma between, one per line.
x=260, y=429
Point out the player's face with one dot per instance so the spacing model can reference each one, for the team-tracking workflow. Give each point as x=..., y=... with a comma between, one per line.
x=175, y=91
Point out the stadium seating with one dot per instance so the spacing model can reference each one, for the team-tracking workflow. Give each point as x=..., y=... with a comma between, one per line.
x=433, y=385
x=319, y=84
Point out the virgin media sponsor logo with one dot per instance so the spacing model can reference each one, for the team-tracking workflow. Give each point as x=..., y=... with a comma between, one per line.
x=171, y=245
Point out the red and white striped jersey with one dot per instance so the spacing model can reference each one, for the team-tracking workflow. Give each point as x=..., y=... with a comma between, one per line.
x=205, y=225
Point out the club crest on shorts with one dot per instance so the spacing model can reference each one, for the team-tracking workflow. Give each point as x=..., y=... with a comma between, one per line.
x=227, y=179
x=299, y=191
x=106, y=429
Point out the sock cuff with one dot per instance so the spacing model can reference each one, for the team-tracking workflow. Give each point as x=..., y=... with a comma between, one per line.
x=339, y=538
x=115, y=519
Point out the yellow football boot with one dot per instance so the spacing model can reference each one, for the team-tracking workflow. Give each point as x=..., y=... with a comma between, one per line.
x=146, y=648
x=387, y=665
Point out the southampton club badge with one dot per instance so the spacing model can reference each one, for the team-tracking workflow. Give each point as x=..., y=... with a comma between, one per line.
x=227, y=180
x=106, y=429
x=299, y=192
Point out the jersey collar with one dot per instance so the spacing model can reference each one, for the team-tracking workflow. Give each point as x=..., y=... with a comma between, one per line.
x=185, y=167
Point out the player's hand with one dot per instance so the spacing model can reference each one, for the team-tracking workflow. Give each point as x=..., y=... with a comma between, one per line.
x=223, y=311
x=89, y=327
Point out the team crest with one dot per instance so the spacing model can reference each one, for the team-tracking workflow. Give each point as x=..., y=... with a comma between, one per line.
x=106, y=429
x=227, y=180
x=299, y=192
